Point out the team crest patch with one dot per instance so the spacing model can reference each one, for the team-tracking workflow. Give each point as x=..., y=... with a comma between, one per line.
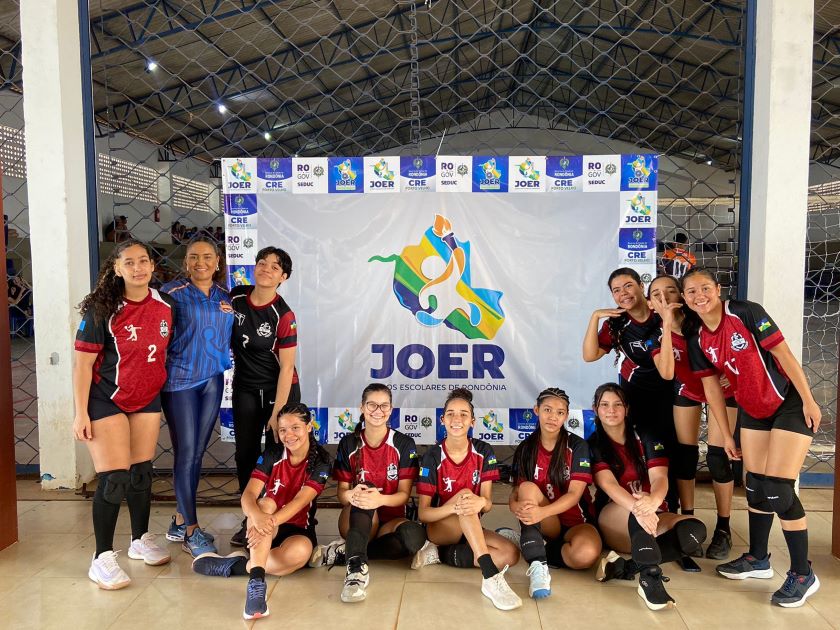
x=476, y=477
x=392, y=472
x=164, y=328
x=225, y=307
x=738, y=342
x=264, y=330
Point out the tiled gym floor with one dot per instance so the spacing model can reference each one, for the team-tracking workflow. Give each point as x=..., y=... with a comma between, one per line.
x=44, y=584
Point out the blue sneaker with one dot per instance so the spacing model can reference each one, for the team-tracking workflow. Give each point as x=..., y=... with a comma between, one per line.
x=746, y=566
x=214, y=565
x=198, y=544
x=255, y=604
x=796, y=589
x=176, y=532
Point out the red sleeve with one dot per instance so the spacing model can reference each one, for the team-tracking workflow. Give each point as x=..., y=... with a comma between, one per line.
x=90, y=337
x=604, y=337
x=286, y=332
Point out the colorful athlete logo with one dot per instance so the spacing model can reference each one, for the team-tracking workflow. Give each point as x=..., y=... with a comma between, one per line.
x=527, y=169
x=639, y=167
x=638, y=205
x=240, y=277
x=380, y=169
x=490, y=170
x=491, y=422
x=345, y=171
x=433, y=281
x=345, y=420
x=238, y=171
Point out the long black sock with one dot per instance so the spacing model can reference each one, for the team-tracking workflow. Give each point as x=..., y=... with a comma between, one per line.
x=386, y=547
x=139, y=498
x=457, y=555
x=722, y=523
x=356, y=543
x=257, y=573
x=797, y=542
x=643, y=546
x=554, y=553
x=532, y=543
x=240, y=567
x=488, y=568
x=760, y=524
x=106, y=507
x=682, y=540
x=687, y=512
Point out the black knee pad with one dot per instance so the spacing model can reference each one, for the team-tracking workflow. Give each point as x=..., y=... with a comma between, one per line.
x=691, y=533
x=114, y=485
x=719, y=466
x=756, y=497
x=782, y=498
x=684, y=461
x=141, y=475
x=412, y=535
x=644, y=549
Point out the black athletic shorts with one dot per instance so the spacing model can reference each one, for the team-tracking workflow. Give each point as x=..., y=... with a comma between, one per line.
x=287, y=531
x=682, y=401
x=100, y=406
x=788, y=417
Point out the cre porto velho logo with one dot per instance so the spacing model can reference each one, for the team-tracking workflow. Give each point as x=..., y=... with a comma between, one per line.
x=433, y=280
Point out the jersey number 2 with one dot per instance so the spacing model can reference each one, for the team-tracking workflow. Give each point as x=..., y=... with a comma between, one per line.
x=151, y=357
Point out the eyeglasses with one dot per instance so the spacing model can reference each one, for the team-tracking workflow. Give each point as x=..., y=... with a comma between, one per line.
x=371, y=406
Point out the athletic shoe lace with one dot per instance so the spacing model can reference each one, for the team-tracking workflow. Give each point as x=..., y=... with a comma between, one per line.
x=789, y=587
x=220, y=568
x=108, y=561
x=198, y=538
x=256, y=590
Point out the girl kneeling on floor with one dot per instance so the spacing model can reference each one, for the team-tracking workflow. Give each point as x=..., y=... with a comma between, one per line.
x=551, y=500
x=454, y=490
x=631, y=474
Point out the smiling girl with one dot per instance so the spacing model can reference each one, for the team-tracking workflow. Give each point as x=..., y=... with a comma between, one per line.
x=454, y=490
x=778, y=417
x=117, y=377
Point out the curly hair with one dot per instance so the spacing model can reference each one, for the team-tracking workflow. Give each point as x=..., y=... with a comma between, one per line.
x=106, y=299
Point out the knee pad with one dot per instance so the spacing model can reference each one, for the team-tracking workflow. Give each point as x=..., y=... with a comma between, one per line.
x=114, y=485
x=412, y=535
x=756, y=497
x=644, y=549
x=691, y=533
x=684, y=461
x=782, y=498
x=141, y=475
x=719, y=466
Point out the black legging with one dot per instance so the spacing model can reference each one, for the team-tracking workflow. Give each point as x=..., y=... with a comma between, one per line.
x=251, y=412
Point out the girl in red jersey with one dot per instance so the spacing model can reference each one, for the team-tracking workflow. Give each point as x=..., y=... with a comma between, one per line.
x=375, y=468
x=551, y=500
x=631, y=475
x=117, y=377
x=454, y=490
x=670, y=353
x=778, y=417
x=292, y=474
x=626, y=330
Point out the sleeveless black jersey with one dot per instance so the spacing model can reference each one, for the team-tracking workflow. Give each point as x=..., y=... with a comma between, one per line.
x=259, y=333
x=637, y=366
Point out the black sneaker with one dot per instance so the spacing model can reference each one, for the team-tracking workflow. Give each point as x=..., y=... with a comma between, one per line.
x=240, y=538
x=746, y=566
x=614, y=567
x=720, y=546
x=652, y=590
x=796, y=589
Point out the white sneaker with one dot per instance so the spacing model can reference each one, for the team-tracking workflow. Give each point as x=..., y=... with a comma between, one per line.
x=540, y=586
x=355, y=583
x=107, y=574
x=328, y=555
x=428, y=554
x=147, y=550
x=496, y=589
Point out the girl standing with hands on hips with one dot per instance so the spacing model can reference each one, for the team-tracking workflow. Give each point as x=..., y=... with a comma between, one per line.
x=454, y=490
x=264, y=342
x=118, y=373
x=375, y=468
x=778, y=417
x=192, y=395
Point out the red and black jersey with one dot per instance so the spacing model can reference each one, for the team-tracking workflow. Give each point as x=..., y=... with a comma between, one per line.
x=578, y=467
x=283, y=481
x=130, y=366
x=441, y=478
x=259, y=333
x=382, y=467
x=637, y=366
x=653, y=455
x=688, y=382
x=739, y=348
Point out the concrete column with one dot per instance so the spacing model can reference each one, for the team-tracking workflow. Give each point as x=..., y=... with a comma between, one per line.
x=55, y=161
x=781, y=143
